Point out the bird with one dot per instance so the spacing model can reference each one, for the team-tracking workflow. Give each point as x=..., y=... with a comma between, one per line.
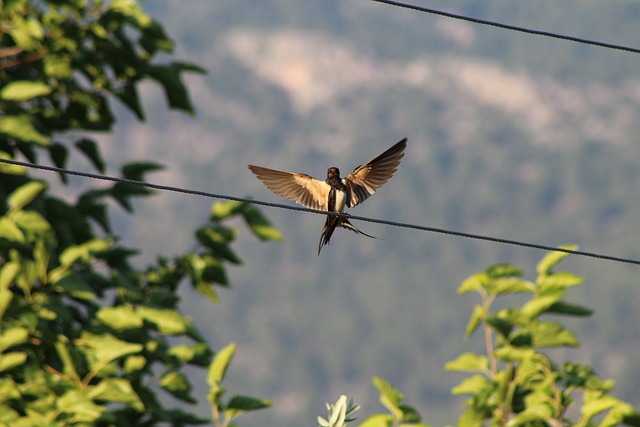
x=335, y=192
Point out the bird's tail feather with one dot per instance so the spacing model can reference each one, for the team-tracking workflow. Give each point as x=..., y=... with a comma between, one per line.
x=330, y=225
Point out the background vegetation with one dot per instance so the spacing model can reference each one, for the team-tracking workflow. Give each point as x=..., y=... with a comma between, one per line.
x=510, y=135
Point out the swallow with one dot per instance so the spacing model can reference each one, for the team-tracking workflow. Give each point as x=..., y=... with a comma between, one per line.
x=334, y=193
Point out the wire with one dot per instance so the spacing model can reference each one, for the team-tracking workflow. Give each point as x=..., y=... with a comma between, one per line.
x=303, y=209
x=508, y=27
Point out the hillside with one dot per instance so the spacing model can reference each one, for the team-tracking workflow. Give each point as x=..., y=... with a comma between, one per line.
x=509, y=135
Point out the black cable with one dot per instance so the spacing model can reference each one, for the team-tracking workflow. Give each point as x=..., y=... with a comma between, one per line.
x=303, y=209
x=507, y=26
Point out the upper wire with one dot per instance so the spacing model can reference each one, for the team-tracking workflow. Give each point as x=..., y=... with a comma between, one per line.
x=319, y=212
x=509, y=27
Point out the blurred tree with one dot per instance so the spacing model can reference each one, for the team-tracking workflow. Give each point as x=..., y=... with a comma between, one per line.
x=85, y=337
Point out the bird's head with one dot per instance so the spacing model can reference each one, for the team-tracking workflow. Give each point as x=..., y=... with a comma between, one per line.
x=333, y=172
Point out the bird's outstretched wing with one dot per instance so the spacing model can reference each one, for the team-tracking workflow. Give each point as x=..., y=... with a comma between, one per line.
x=299, y=187
x=367, y=178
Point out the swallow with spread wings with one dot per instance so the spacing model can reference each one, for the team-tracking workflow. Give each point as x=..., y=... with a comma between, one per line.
x=334, y=193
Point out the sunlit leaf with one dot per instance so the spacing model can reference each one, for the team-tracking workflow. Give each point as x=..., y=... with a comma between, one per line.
x=468, y=362
x=472, y=385
x=116, y=390
x=25, y=194
x=552, y=334
x=21, y=127
x=595, y=407
x=225, y=210
x=509, y=353
x=220, y=364
x=120, y=318
x=503, y=271
x=167, y=321
x=551, y=259
x=107, y=348
x=178, y=385
x=378, y=420
x=390, y=397
x=23, y=90
x=12, y=337
x=11, y=360
x=476, y=318
x=534, y=307
x=78, y=404
x=474, y=283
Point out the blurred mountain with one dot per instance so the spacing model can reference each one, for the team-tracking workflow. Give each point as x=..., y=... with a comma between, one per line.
x=510, y=135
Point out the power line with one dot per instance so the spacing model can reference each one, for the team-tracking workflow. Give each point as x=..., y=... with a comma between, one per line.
x=508, y=27
x=303, y=209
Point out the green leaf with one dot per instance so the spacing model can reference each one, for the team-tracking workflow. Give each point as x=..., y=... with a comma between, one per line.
x=220, y=364
x=552, y=334
x=534, y=307
x=107, y=348
x=503, y=271
x=12, y=337
x=468, y=362
x=378, y=420
x=514, y=354
x=169, y=77
x=120, y=318
x=89, y=148
x=136, y=170
x=259, y=224
x=24, y=90
x=225, y=210
x=10, y=231
x=552, y=259
x=167, y=321
x=596, y=406
x=57, y=66
x=25, y=194
x=569, y=309
x=8, y=272
x=26, y=32
x=473, y=385
x=246, y=403
x=472, y=418
x=68, y=365
x=510, y=285
x=619, y=414
x=217, y=239
x=11, y=360
x=555, y=281
x=476, y=318
x=198, y=354
x=85, y=251
x=5, y=299
x=178, y=385
x=32, y=222
x=77, y=404
x=72, y=284
x=116, y=390
x=475, y=283
x=8, y=169
x=390, y=397
x=21, y=127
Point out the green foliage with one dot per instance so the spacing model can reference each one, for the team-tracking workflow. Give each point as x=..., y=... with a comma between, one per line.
x=340, y=413
x=400, y=414
x=224, y=413
x=515, y=383
x=86, y=338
